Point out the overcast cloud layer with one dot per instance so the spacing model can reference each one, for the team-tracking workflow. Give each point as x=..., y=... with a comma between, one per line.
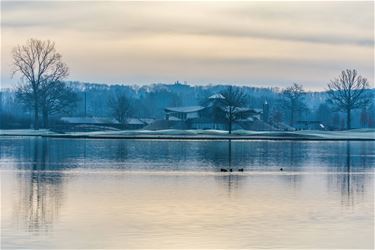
x=247, y=43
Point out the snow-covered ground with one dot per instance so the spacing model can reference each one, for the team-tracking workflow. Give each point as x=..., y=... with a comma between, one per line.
x=302, y=134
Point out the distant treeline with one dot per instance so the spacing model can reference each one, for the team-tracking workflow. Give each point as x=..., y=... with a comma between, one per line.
x=149, y=101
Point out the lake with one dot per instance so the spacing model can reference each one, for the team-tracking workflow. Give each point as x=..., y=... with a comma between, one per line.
x=92, y=193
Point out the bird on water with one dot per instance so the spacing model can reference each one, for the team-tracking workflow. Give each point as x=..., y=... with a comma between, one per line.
x=230, y=170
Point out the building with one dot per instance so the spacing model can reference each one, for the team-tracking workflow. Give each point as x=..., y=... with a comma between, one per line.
x=83, y=124
x=207, y=117
x=67, y=124
x=137, y=123
x=183, y=113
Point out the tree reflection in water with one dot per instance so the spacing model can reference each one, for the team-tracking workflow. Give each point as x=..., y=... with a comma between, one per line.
x=43, y=163
x=348, y=182
x=41, y=193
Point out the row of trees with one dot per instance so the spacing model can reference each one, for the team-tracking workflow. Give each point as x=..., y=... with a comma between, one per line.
x=347, y=92
x=42, y=88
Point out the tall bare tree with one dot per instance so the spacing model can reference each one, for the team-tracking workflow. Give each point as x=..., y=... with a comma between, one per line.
x=234, y=99
x=293, y=100
x=39, y=65
x=348, y=92
x=58, y=98
x=120, y=107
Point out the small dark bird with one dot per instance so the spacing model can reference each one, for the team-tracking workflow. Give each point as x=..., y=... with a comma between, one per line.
x=281, y=169
x=230, y=170
x=223, y=170
x=240, y=170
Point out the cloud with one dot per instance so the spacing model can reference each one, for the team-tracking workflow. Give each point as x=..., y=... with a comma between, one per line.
x=164, y=40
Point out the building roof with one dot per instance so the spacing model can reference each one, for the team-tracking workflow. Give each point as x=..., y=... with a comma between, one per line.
x=188, y=109
x=216, y=96
x=89, y=120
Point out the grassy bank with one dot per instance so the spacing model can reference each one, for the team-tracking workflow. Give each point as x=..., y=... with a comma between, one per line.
x=355, y=134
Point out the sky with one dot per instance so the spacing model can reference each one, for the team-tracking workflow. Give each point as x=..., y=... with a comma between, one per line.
x=245, y=43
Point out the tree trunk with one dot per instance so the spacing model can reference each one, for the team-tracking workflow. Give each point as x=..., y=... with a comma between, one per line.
x=230, y=121
x=292, y=118
x=348, y=118
x=45, y=119
x=36, y=113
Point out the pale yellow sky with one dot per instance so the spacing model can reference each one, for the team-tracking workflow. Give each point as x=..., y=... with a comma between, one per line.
x=247, y=43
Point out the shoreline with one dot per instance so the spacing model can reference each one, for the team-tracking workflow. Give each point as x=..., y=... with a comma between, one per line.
x=156, y=135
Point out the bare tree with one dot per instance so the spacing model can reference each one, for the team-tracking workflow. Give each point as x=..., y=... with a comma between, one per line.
x=120, y=107
x=57, y=98
x=293, y=100
x=348, y=92
x=232, y=104
x=39, y=65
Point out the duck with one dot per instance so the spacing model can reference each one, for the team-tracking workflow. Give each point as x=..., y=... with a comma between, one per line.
x=240, y=170
x=223, y=170
x=281, y=169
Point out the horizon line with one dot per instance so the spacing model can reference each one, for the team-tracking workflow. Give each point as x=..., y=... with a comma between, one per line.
x=109, y=84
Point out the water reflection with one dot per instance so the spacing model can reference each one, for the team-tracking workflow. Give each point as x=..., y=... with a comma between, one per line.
x=322, y=182
x=40, y=192
x=59, y=154
x=350, y=185
x=40, y=199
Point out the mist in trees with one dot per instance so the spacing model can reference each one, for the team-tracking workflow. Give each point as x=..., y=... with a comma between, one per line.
x=293, y=101
x=57, y=98
x=147, y=103
x=324, y=114
x=348, y=92
x=41, y=70
x=120, y=107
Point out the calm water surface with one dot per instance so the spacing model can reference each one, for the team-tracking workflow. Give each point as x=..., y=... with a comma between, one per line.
x=65, y=194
